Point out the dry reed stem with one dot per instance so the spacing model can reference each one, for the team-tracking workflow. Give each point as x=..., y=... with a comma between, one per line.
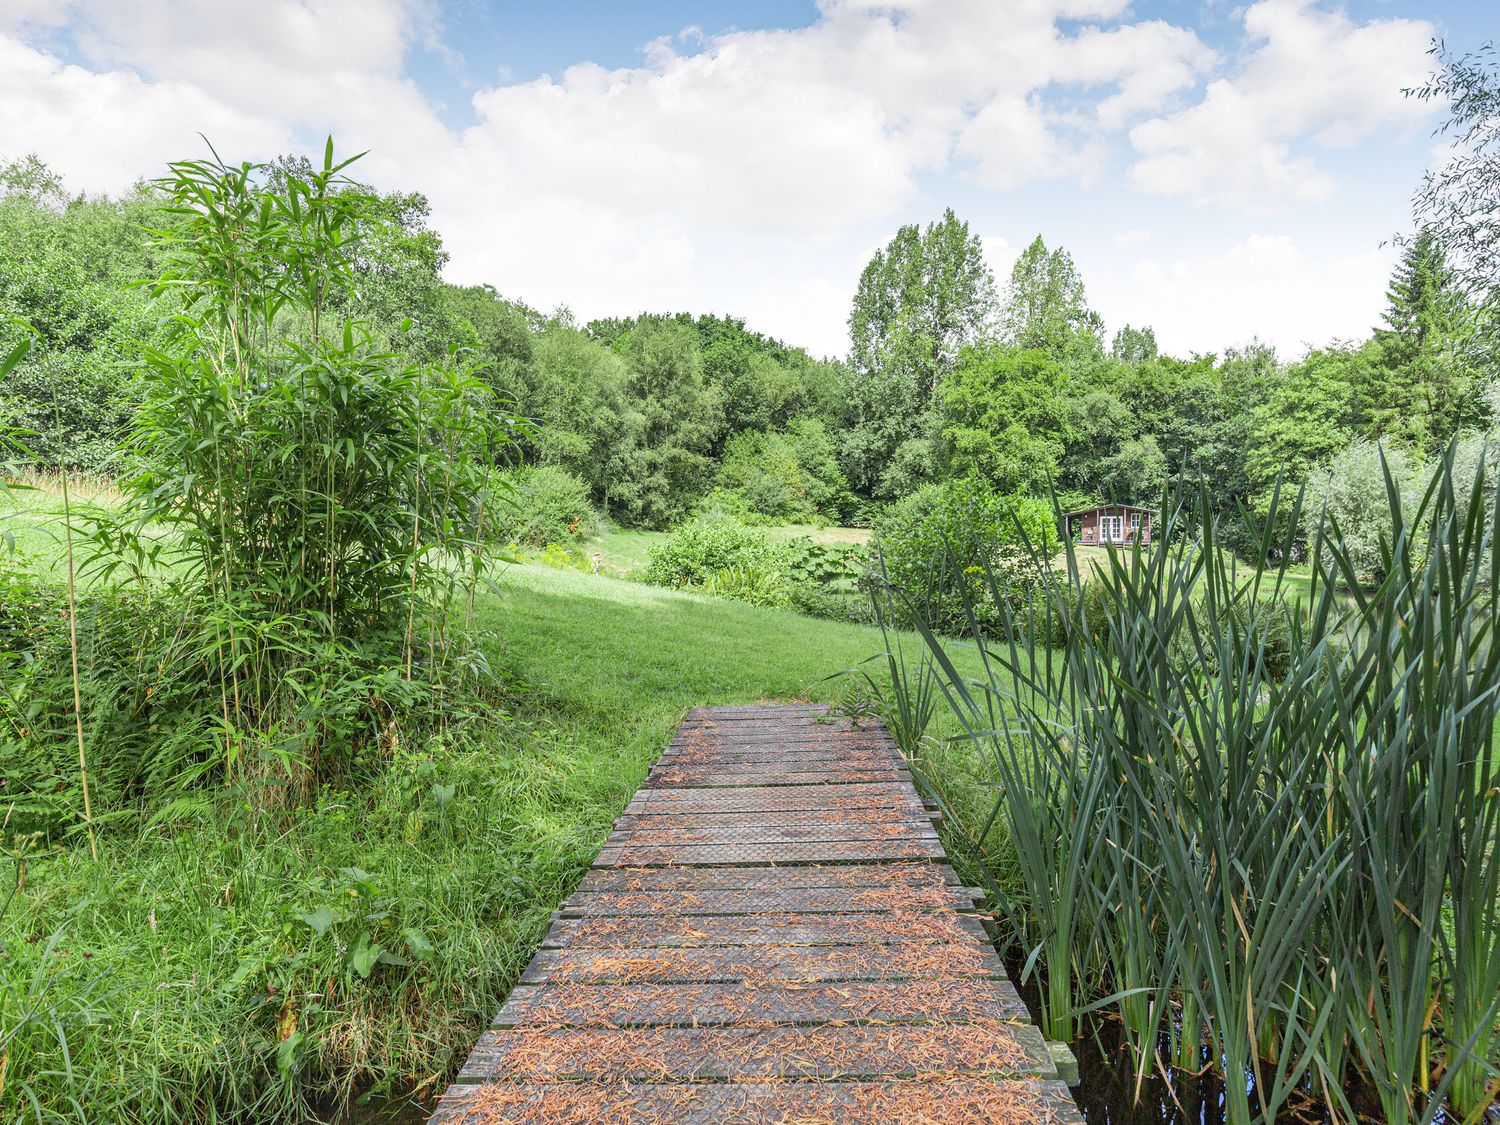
x=83, y=764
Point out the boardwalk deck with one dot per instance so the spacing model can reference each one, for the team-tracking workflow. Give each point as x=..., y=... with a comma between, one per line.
x=771, y=934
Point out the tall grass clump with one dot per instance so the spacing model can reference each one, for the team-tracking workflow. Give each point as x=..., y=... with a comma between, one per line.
x=1265, y=838
x=315, y=507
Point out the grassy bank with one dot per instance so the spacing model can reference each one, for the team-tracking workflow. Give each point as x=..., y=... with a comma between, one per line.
x=222, y=964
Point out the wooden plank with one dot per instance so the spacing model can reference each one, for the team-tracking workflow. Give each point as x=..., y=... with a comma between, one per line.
x=764, y=712
x=791, y=759
x=809, y=900
x=759, y=1005
x=769, y=773
x=782, y=764
x=790, y=745
x=772, y=834
x=779, y=750
x=997, y=1048
x=926, y=1101
x=776, y=798
x=631, y=932
x=848, y=794
x=786, y=763
x=832, y=851
x=708, y=777
x=801, y=963
x=801, y=738
x=651, y=822
x=853, y=877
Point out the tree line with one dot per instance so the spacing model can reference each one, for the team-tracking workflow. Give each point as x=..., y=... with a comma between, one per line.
x=949, y=372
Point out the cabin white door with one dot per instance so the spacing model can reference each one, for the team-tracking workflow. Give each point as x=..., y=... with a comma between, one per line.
x=1110, y=529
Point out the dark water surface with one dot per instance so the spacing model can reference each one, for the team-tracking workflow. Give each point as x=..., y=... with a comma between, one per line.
x=380, y=1111
x=1107, y=1095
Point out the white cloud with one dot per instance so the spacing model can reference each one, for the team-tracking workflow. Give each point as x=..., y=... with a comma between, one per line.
x=748, y=172
x=1125, y=239
x=999, y=255
x=1314, y=74
x=306, y=67
x=1266, y=285
x=1148, y=62
x=779, y=157
x=103, y=130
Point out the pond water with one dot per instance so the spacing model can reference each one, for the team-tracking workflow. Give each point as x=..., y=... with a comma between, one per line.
x=1107, y=1095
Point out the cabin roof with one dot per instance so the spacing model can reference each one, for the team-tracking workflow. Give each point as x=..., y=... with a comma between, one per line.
x=1101, y=507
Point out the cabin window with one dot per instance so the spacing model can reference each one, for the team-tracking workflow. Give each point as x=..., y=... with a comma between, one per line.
x=1135, y=521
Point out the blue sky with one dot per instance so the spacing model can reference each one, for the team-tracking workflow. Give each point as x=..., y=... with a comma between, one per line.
x=1220, y=171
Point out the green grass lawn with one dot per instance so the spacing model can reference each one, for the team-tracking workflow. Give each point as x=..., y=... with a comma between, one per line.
x=604, y=645
x=1296, y=583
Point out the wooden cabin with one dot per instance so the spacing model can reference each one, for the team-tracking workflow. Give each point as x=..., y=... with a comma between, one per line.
x=1120, y=524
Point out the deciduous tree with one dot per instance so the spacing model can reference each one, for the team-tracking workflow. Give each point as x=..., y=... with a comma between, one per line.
x=1046, y=307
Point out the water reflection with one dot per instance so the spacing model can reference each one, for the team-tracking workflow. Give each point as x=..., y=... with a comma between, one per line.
x=1107, y=1094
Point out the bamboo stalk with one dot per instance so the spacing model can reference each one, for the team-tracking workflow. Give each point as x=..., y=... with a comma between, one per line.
x=83, y=762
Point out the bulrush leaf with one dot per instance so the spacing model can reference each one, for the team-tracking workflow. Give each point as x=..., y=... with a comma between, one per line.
x=1263, y=825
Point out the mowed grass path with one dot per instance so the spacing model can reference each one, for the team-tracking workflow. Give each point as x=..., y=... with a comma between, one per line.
x=617, y=648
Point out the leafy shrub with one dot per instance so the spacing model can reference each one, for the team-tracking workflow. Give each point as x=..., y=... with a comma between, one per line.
x=64, y=264
x=828, y=564
x=1351, y=491
x=831, y=604
x=788, y=476
x=1098, y=601
x=1052, y=613
x=76, y=405
x=940, y=543
x=723, y=503
x=548, y=505
x=697, y=550
x=135, y=701
x=750, y=584
x=1262, y=626
x=560, y=557
x=911, y=467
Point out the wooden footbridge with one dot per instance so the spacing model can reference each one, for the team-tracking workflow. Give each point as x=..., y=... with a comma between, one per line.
x=771, y=934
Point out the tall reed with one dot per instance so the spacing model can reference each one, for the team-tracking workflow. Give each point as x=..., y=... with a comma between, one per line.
x=1259, y=828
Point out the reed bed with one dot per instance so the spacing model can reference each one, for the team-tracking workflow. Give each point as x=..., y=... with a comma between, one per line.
x=1261, y=834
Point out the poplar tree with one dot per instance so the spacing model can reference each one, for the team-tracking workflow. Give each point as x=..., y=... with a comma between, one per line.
x=1046, y=306
x=922, y=299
